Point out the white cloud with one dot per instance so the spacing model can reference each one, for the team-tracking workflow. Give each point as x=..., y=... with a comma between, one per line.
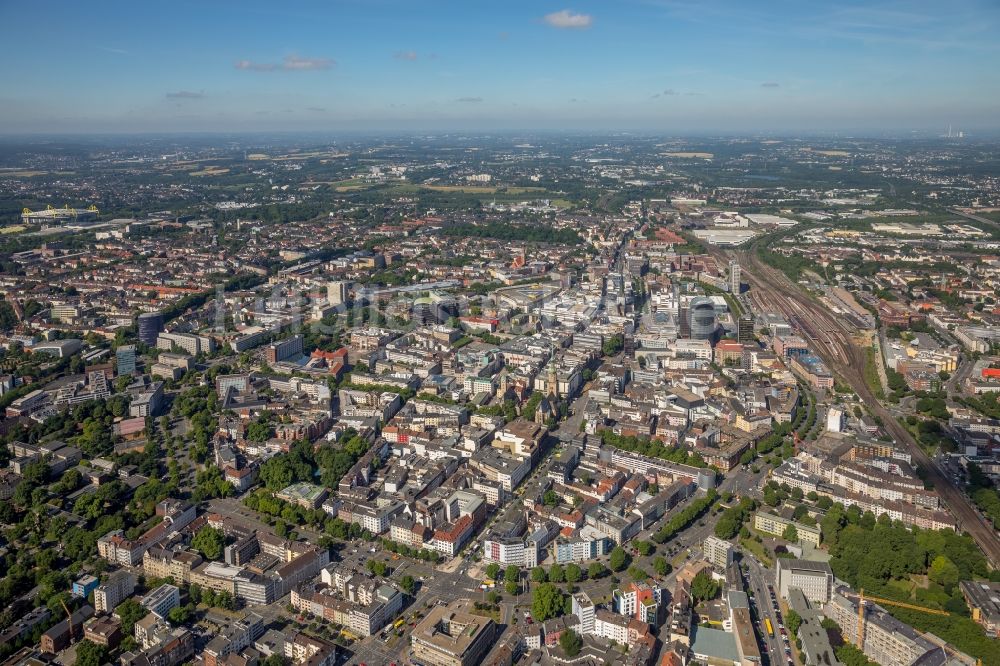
x=254, y=66
x=297, y=63
x=470, y=100
x=289, y=63
x=769, y=84
x=566, y=19
x=405, y=55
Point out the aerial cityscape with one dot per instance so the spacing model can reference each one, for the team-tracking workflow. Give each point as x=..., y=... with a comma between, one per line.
x=658, y=333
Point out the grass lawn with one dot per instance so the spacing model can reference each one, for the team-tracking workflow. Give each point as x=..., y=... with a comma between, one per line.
x=757, y=550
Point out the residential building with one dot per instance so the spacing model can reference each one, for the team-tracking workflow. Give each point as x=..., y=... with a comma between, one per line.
x=233, y=639
x=776, y=525
x=639, y=599
x=450, y=636
x=162, y=599
x=283, y=349
x=885, y=640
x=103, y=630
x=117, y=588
x=192, y=344
x=173, y=646
x=585, y=611
x=718, y=551
x=85, y=585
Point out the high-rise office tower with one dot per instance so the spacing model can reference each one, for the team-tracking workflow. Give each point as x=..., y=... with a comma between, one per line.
x=735, y=277
x=150, y=325
x=125, y=357
x=336, y=293
x=744, y=331
x=702, y=319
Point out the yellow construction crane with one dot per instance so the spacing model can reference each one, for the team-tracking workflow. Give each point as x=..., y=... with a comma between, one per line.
x=892, y=602
x=888, y=602
x=69, y=619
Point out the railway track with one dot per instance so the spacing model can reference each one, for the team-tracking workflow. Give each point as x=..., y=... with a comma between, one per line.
x=833, y=339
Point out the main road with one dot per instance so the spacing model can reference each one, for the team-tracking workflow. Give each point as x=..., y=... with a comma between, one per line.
x=835, y=341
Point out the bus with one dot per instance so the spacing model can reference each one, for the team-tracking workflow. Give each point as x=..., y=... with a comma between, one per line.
x=398, y=623
x=770, y=629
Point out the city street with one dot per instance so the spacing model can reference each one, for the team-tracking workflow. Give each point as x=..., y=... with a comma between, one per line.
x=758, y=578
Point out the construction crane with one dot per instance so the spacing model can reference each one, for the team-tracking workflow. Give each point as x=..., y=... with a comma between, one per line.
x=888, y=602
x=892, y=602
x=69, y=618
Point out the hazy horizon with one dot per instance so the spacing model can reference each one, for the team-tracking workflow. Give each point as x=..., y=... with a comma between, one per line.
x=654, y=66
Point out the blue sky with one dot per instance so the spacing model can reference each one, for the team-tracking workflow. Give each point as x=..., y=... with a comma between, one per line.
x=669, y=65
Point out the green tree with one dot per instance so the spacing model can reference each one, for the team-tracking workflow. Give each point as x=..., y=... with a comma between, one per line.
x=596, y=570
x=511, y=574
x=703, y=587
x=511, y=587
x=275, y=660
x=556, y=574
x=573, y=573
x=850, y=655
x=130, y=611
x=546, y=602
x=794, y=621
x=492, y=570
x=618, y=559
x=570, y=642
x=90, y=654
x=943, y=572
x=225, y=600
x=645, y=548
x=538, y=575
x=790, y=534
x=259, y=431
x=377, y=567
x=661, y=566
x=728, y=525
x=210, y=542
x=637, y=573
x=408, y=584
x=179, y=615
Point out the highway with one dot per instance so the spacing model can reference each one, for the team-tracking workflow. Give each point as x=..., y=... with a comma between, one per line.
x=834, y=341
x=975, y=218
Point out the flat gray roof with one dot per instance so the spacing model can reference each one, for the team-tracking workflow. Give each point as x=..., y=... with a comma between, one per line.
x=714, y=643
